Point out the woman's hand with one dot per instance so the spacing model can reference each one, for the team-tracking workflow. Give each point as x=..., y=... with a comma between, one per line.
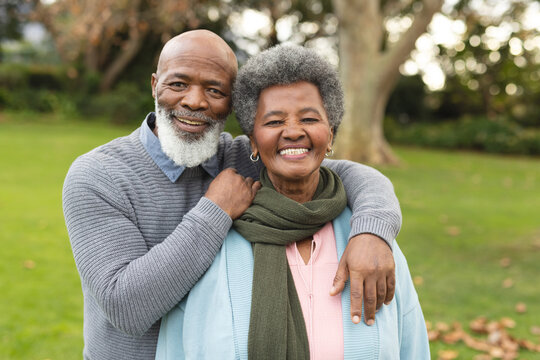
x=369, y=263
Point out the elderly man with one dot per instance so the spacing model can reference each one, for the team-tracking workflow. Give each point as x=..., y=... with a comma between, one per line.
x=147, y=213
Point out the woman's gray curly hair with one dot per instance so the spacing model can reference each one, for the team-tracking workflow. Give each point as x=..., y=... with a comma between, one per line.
x=282, y=65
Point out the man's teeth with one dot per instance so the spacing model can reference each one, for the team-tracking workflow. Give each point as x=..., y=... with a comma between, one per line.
x=293, y=151
x=191, y=122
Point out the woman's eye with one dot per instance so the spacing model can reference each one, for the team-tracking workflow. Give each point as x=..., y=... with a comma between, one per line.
x=308, y=120
x=273, y=122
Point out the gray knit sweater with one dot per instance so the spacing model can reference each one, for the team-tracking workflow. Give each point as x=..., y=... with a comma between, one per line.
x=141, y=242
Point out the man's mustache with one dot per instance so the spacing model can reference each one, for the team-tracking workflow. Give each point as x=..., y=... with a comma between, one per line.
x=192, y=114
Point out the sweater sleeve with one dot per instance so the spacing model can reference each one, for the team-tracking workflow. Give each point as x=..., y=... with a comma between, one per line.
x=134, y=286
x=370, y=194
x=372, y=199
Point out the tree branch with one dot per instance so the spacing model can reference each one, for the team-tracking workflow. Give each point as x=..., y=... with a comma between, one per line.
x=398, y=53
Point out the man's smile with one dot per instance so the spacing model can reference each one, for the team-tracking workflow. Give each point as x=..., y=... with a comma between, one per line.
x=191, y=122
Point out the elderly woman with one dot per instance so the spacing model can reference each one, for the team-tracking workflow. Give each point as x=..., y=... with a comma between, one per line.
x=266, y=294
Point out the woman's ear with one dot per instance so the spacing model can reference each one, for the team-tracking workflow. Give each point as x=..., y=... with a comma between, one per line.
x=331, y=139
x=254, y=148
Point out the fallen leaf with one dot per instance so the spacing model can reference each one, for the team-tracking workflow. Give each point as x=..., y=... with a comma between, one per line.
x=529, y=345
x=493, y=326
x=521, y=308
x=442, y=326
x=505, y=262
x=496, y=352
x=476, y=344
x=507, y=283
x=478, y=325
x=418, y=280
x=494, y=337
x=448, y=354
x=510, y=356
x=29, y=264
x=535, y=330
x=433, y=335
x=452, y=337
x=509, y=346
x=453, y=230
x=508, y=322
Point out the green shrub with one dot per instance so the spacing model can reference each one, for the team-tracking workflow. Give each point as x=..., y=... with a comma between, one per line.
x=124, y=104
x=496, y=136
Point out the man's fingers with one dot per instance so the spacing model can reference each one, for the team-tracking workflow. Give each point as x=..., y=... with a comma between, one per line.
x=342, y=274
x=255, y=187
x=381, y=293
x=357, y=295
x=390, y=287
x=370, y=301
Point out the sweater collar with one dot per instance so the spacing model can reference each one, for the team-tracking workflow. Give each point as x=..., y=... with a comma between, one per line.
x=152, y=145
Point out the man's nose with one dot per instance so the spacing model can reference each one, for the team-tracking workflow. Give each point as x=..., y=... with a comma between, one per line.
x=194, y=99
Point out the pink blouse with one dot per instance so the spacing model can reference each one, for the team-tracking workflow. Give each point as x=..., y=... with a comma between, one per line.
x=322, y=312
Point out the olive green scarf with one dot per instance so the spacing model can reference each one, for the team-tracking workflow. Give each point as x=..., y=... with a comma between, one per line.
x=277, y=329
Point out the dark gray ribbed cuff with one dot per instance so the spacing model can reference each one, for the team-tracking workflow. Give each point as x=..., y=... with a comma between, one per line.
x=219, y=219
x=372, y=226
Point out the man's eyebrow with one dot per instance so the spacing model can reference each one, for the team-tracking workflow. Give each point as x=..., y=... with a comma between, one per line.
x=178, y=76
x=213, y=83
x=186, y=77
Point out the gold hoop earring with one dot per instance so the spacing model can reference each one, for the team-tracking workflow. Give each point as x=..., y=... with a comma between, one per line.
x=329, y=153
x=254, y=159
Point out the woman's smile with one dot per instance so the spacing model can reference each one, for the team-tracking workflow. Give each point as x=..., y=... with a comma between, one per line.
x=291, y=133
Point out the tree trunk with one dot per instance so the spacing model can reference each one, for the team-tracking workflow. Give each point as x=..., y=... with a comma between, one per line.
x=369, y=74
x=130, y=50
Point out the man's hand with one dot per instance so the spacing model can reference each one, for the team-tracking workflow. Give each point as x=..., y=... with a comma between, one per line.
x=232, y=192
x=369, y=263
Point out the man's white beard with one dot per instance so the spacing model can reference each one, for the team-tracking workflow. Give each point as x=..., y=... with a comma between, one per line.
x=176, y=143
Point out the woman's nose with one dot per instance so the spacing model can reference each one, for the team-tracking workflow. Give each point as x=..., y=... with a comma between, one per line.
x=194, y=99
x=293, y=131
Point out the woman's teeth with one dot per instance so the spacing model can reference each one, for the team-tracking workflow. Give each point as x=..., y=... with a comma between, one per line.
x=293, y=151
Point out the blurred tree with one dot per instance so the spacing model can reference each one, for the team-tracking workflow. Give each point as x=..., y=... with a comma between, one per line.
x=492, y=75
x=104, y=36
x=11, y=20
x=370, y=69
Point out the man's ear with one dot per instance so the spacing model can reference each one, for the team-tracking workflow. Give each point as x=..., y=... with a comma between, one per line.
x=154, y=82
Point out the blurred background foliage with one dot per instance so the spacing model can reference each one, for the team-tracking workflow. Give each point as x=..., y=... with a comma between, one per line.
x=479, y=90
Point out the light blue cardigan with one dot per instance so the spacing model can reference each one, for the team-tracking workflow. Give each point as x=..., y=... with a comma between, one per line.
x=212, y=322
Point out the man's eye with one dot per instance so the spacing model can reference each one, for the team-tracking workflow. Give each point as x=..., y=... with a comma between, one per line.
x=216, y=92
x=178, y=84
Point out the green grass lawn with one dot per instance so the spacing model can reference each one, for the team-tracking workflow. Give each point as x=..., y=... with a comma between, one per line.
x=462, y=214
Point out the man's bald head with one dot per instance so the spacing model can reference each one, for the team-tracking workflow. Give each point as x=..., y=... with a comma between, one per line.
x=202, y=44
